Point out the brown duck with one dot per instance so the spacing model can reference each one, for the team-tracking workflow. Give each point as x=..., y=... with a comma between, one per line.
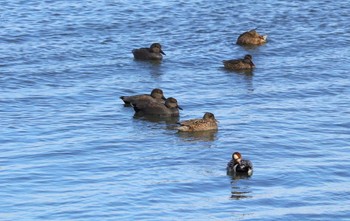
x=208, y=122
x=240, y=64
x=251, y=38
x=154, y=52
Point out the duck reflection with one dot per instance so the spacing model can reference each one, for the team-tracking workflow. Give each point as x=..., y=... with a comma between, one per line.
x=244, y=77
x=198, y=135
x=238, y=194
x=153, y=67
x=156, y=70
x=170, y=121
x=244, y=72
x=237, y=190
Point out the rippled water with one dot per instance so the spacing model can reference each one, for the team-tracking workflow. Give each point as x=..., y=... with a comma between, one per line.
x=70, y=150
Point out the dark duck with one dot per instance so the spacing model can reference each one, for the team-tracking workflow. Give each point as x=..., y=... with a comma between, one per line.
x=240, y=64
x=169, y=109
x=238, y=166
x=154, y=52
x=155, y=96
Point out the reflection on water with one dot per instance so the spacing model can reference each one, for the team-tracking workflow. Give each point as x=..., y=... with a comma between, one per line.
x=170, y=121
x=248, y=79
x=151, y=62
x=237, y=195
x=251, y=47
x=244, y=77
x=154, y=67
x=245, y=72
x=198, y=135
x=238, y=191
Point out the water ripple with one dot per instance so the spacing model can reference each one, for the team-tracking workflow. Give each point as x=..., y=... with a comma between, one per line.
x=72, y=151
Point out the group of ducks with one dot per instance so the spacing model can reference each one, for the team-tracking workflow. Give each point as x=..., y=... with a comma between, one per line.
x=155, y=104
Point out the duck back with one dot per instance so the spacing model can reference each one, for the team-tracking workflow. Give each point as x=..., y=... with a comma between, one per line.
x=251, y=38
x=146, y=54
x=169, y=109
x=154, y=52
x=204, y=124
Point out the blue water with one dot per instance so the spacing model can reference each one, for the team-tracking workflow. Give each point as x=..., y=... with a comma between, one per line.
x=70, y=150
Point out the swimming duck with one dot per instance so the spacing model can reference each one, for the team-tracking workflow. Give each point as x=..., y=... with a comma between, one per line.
x=154, y=52
x=155, y=96
x=251, y=38
x=239, y=166
x=240, y=64
x=169, y=109
x=208, y=122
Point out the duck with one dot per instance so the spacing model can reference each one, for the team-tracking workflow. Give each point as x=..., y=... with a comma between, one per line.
x=251, y=38
x=238, y=166
x=169, y=109
x=208, y=122
x=156, y=95
x=154, y=52
x=240, y=64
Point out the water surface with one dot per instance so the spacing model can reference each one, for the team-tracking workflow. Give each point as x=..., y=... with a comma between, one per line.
x=70, y=150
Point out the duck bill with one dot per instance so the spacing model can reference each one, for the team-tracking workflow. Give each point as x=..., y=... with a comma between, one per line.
x=179, y=107
x=162, y=52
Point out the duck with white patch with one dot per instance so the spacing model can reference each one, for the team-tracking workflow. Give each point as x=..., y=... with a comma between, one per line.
x=238, y=166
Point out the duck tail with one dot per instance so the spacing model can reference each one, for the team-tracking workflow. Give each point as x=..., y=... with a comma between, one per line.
x=183, y=128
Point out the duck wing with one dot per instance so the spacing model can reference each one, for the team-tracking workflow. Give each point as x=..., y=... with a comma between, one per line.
x=190, y=122
x=232, y=62
x=149, y=108
x=136, y=98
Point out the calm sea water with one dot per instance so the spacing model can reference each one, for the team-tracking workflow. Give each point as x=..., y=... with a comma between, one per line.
x=70, y=150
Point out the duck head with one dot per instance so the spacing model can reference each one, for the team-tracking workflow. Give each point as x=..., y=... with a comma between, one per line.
x=209, y=116
x=237, y=157
x=248, y=59
x=172, y=103
x=157, y=48
x=157, y=93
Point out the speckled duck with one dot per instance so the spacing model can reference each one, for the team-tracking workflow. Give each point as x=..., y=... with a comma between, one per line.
x=208, y=122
